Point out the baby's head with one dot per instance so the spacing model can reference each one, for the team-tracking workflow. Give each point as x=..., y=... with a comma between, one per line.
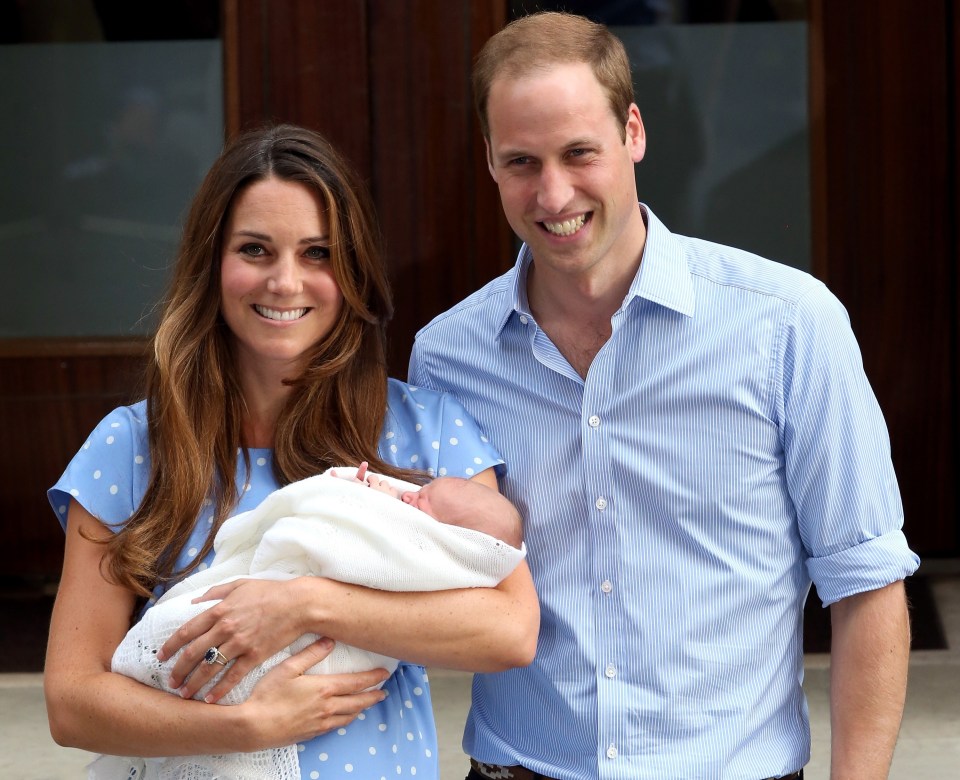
x=468, y=504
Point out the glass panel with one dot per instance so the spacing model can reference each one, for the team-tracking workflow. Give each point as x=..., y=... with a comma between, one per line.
x=113, y=132
x=722, y=89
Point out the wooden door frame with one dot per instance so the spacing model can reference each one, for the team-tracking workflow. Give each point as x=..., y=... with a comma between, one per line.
x=884, y=149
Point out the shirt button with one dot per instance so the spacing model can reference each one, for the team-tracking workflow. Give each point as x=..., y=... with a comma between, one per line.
x=594, y=421
x=601, y=503
x=612, y=751
x=606, y=586
x=523, y=319
x=610, y=671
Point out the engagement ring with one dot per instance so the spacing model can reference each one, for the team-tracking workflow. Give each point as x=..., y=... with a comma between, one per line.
x=214, y=656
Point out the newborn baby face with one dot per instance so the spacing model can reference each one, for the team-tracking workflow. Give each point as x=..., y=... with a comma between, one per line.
x=429, y=499
x=439, y=498
x=468, y=504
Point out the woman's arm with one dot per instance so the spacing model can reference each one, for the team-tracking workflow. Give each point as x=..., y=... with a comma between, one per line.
x=92, y=708
x=473, y=629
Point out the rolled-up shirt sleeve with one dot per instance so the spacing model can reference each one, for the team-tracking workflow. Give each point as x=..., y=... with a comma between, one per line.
x=838, y=456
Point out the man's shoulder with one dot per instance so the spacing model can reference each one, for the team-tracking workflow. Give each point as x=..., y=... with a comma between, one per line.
x=725, y=265
x=485, y=305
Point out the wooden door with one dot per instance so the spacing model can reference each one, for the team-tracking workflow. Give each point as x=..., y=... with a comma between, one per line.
x=885, y=147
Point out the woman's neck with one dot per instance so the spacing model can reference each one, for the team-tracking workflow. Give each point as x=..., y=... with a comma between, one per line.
x=264, y=402
x=258, y=434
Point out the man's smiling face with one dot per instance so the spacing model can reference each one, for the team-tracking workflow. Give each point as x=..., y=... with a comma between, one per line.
x=564, y=170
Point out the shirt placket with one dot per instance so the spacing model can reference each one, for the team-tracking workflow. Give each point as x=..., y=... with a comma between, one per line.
x=600, y=495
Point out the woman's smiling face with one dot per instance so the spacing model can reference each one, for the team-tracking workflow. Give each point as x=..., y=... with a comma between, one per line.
x=278, y=293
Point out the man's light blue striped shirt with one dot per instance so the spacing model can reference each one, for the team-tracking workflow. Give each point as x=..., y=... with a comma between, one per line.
x=724, y=450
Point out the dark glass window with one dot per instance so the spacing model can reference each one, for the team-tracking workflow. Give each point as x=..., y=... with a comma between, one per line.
x=722, y=89
x=118, y=112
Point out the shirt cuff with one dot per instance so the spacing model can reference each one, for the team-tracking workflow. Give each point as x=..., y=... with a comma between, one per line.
x=870, y=565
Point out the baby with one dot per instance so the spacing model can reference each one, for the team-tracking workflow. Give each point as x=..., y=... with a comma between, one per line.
x=344, y=524
x=455, y=501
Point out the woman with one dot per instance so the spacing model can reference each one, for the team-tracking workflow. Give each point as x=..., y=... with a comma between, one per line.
x=268, y=367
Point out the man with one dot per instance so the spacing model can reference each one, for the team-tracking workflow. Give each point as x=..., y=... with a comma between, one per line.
x=690, y=436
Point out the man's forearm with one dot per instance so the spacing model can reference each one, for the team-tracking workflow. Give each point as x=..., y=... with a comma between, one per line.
x=870, y=656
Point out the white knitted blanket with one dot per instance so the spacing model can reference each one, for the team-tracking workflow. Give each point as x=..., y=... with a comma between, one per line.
x=324, y=526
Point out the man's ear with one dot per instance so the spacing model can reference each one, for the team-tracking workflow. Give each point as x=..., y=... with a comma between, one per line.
x=486, y=146
x=636, y=136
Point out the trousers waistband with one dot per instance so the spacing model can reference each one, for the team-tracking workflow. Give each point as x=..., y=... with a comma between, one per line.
x=498, y=772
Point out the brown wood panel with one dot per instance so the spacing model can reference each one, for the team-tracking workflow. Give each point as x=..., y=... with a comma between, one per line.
x=817, y=108
x=954, y=135
x=300, y=61
x=439, y=209
x=883, y=206
x=49, y=403
x=494, y=236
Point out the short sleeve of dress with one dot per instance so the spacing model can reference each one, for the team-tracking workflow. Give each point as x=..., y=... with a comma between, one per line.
x=108, y=475
x=432, y=431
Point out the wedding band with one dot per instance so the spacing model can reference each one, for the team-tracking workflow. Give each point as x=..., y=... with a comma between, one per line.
x=214, y=656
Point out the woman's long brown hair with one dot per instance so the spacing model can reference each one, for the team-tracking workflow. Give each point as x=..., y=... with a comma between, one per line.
x=195, y=407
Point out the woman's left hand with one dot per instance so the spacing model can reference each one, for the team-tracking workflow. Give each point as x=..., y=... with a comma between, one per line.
x=253, y=620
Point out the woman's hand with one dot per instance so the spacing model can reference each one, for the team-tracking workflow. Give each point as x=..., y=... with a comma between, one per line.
x=253, y=620
x=288, y=701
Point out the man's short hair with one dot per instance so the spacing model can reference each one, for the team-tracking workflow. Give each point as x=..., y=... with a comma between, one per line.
x=547, y=38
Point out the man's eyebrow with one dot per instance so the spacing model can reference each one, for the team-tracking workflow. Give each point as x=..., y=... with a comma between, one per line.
x=507, y=154
x=576, y=143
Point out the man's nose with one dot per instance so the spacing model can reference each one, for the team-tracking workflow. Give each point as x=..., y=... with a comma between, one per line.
x=555, y=190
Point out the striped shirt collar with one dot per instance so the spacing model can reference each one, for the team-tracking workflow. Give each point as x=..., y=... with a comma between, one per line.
x=663, y=276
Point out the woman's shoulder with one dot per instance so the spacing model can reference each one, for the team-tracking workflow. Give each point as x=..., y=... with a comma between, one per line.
x=432, y=430
x=417, y=405
x=109, y=471
x=400, y=392
x=135, y=414
x=124, y=425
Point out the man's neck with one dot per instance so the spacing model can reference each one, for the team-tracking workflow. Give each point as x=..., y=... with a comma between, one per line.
x=575, y=319
x=594, y=294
